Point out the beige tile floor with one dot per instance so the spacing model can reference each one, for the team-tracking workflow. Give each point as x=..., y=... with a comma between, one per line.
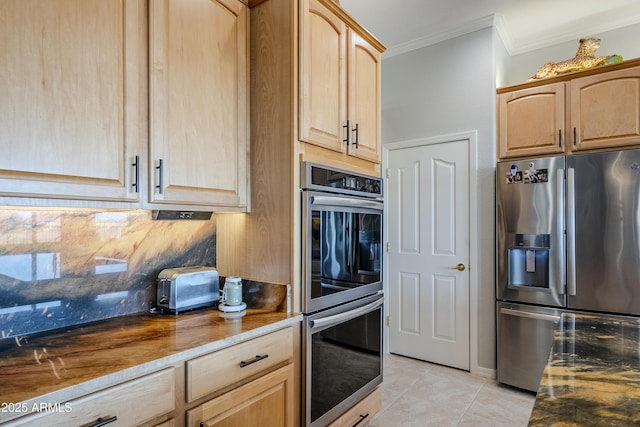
x=416, y=393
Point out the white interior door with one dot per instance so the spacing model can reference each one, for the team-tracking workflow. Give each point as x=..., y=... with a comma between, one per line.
x=428, y=232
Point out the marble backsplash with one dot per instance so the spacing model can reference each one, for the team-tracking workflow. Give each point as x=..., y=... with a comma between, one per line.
x=65, y=267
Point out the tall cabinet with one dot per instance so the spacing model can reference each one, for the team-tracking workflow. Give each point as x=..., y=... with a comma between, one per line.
x=314, y=70
x=339, y=105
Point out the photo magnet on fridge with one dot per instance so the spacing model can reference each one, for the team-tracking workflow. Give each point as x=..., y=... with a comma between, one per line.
x=535, y=176
x=514, y=176
x=514, y=179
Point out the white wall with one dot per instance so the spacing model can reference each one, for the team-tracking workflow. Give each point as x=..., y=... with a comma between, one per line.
x=624, y=41
x=449, y=88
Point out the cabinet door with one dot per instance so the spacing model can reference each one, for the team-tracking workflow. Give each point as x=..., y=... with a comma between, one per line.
x=70, y=102
x=323, y=76
x=198, y=102
x=266, y=402
x=531, y=121
x=605, y=109
x=364, y=99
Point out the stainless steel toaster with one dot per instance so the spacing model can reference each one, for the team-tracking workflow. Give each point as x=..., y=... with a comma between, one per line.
x=186, y=288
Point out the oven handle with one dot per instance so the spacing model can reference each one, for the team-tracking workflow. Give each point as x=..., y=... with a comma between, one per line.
x=347, y=315
x=346, y=202
x=334, y=287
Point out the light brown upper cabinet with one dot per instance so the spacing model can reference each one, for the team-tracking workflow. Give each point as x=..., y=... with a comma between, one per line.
x=124, y=103
x=339, y=105
x=594, y=109
x=198, y=103
x=531, y=121
x=72, y=74
x=605, y=110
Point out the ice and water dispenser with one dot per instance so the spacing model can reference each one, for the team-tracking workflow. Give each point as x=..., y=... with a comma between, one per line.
x=529, y=260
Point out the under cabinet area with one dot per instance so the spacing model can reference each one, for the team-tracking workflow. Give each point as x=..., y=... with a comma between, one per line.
x=588, y=110
x=125, y=103
x=340, y=75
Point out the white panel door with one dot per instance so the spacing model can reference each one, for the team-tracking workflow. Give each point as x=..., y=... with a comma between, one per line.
x=428, y=200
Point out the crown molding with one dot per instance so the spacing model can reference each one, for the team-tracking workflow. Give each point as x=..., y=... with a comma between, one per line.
x=512, y=46
x=421, y=42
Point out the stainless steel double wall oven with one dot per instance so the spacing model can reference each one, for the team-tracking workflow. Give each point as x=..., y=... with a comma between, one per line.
x=342, y=290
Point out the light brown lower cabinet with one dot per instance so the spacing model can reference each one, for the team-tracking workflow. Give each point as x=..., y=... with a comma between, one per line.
x=132, y=403
x=168, y=423
x=361, y=413
x=266, y=402
x=251, y=383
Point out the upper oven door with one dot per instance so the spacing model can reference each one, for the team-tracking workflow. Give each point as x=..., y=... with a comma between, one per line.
x=342, y=249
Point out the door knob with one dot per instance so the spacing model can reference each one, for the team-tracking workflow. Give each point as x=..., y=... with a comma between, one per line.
x=459, y=267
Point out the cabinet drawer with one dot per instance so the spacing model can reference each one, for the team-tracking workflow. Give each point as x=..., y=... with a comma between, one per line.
x=362, y=413
x=211, y=372
x=133, y=403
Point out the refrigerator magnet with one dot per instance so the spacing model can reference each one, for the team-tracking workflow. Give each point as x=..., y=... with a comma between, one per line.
x=535, y=176
x=514, y=176
x=514, y=179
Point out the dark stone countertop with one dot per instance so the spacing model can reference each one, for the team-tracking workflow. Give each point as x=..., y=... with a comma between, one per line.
x=593, y=374
x=62, y=365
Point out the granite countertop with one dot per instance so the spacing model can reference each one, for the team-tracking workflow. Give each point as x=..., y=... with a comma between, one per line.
x=59, y=366
x=593, y=374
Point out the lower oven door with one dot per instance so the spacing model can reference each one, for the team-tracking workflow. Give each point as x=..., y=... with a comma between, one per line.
x=343, y=358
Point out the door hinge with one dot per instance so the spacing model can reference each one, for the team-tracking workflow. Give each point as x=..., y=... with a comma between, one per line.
x=387, y=320
x=388, y=247
x=387, y=173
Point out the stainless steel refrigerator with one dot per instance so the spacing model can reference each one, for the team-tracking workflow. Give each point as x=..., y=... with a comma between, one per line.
x=568, y=238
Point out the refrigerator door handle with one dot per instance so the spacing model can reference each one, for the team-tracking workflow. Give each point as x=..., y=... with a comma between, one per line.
x=560, y=275
x=571, y=232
